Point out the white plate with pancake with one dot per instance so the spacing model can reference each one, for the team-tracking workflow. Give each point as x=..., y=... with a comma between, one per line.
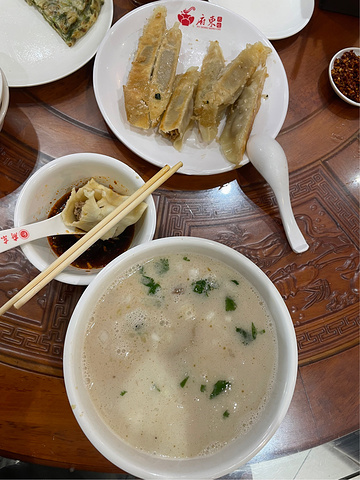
x=32, y=53
x=276, y=19
x=203, y=22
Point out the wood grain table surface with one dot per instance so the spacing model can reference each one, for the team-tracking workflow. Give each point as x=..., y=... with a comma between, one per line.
x=320, y=136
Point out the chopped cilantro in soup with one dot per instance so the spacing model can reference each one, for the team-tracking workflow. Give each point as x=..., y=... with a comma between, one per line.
x=188, y=343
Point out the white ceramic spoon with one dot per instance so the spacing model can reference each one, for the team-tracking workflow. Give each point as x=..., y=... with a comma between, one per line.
x=46, y=228
x=268, y=157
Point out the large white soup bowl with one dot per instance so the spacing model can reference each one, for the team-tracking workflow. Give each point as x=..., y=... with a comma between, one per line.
x=237, y=452
x=55, y=179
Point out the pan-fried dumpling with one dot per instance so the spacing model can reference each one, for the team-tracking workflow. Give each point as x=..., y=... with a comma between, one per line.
x=179, y=113
x=163, y=76
x=240, y=120
x=229, y=86
x=87, y=206
x=136, y=90
x=212, y=65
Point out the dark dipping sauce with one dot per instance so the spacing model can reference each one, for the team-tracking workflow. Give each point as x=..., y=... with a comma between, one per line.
x=100, y=253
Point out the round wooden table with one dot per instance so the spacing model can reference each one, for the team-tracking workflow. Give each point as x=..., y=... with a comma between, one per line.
x=320, y=286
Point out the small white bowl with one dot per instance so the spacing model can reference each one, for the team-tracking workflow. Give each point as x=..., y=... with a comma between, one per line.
x=339, y=54
x=55, y=179
x=235, y=453
x=4, y=97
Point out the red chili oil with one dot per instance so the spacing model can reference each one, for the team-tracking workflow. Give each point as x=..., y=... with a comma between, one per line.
x=100, y=253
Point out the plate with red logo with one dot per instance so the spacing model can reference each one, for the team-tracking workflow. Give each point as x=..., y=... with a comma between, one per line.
x=200, y=22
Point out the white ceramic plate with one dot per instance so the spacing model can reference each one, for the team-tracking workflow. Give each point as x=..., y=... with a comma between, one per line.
x=32, y=53
x=276, y=19
x=113, y=61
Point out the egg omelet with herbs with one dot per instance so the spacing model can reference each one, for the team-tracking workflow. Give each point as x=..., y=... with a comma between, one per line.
x=71, y=19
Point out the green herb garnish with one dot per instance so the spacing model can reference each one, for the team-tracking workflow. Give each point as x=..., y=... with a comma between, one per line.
x=123, y=393
x=226, y=414
x=235, y=281
x=246, y=336
x=255, y=332
x=183, y=382
x=162, y=266
x=249, y=336
x=203, y=286
x=202, y=388
x=186, y=259
x=230, y=304
x=150, y=283
x=220, y=386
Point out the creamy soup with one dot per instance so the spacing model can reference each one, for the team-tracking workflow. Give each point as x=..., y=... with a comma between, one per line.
x=180, y=355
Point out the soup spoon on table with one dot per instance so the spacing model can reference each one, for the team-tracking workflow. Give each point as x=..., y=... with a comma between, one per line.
x=269, y=159
x=16, y=236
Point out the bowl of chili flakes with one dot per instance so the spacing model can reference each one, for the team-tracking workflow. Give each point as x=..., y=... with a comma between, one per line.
x=344, y=75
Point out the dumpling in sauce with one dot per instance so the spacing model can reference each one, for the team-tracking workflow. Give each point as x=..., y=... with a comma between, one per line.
x=90, y=204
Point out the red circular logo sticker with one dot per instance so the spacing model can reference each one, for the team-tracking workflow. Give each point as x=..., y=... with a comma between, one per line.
x=185, y=18
x=24, y=234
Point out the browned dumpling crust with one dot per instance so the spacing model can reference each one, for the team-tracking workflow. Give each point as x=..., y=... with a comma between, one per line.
x=212, y=65
x=241, y=117
x=163, y=76
x=179, y=113
x=228, y=88
x=137, y=88
x=155, y=97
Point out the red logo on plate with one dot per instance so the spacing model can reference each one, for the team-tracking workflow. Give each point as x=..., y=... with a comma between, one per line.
x=185, y=18
x=24, y=234
x=211, y=22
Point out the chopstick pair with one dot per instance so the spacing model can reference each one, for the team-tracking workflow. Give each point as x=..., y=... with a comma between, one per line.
x=89, y=239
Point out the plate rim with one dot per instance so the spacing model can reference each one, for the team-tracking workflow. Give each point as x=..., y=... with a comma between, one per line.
x=279, y=36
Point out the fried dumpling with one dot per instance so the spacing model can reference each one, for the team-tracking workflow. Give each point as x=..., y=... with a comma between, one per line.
x=228, y=88
x=178, y=116
x=136, y=90
x=241, y=117
x=212, y=65
x=163, y=76
x=90, y=204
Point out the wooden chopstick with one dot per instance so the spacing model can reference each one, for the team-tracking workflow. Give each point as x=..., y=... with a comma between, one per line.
x=89, y=238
